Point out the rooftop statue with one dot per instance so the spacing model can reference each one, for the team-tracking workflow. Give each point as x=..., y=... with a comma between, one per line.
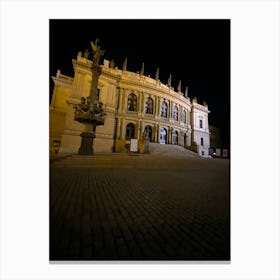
x=179, y=86
x=157, y=74
x=169, y=80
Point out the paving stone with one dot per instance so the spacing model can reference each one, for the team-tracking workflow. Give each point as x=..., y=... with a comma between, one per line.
x=161, y=209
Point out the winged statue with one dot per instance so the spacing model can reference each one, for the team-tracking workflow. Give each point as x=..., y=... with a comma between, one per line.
x=97, y=53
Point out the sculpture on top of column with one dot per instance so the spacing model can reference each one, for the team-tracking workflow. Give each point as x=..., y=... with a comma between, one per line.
x=90, y=111
x=97, y=52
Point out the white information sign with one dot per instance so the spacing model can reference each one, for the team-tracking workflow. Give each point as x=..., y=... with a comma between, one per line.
x=134, y=145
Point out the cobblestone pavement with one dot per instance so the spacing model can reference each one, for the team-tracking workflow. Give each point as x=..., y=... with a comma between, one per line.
x=139, y=207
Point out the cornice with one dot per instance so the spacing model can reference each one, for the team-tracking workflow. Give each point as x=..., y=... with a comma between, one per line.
x=87, y=64
x=63, y=80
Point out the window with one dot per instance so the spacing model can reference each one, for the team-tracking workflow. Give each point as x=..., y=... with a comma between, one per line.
x=184, y=116
x=129, y=133
x=148, y=132
x=200, y=123
x=164, y=109
x=201, y=141
x=163, y=136
x=132, y=102
x=149, y=105
x=175, y=113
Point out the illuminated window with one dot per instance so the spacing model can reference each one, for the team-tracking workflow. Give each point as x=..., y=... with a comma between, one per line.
x=164, y=109
x=184, y=116
x=149, y=105
x=200, y=124
x=129, y=131
x=132, y=102
x=175, y=113
x=163, y=136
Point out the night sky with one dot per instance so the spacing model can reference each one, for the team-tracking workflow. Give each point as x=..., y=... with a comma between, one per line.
x=197, y=52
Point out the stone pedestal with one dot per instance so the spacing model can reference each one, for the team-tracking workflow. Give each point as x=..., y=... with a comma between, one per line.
x=86, y=147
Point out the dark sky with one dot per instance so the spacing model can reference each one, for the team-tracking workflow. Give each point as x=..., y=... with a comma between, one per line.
x=194, y=51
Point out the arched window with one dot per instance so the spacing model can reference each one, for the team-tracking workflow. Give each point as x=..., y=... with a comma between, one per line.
x=132, y=102
x=149, y=105
x=163, y=136
x=175, y=113
x=129, y=133
x=148, y=132
x=201, y=141
x=164, y=109
x=175, y=137
x=184, y=116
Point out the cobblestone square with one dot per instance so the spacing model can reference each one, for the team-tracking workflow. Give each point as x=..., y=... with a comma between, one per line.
x=140, y=207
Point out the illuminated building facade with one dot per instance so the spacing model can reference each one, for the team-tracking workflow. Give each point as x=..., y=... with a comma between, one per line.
x=135, y=105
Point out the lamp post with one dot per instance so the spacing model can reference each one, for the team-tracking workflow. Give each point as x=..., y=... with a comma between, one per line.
x=90, y=111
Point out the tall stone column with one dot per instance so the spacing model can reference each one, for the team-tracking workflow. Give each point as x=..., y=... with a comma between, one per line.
x=139, y=130
x=124, y=101
x=171, y=110
x=155, y=107
x=168, y=135
x=120, y=101
x=159, y=106
x=90, y=112
x=118, y=134
x=122, y=136
x=142, y=98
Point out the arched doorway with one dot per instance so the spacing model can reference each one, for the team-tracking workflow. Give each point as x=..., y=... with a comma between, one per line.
x=129, y=132
x=163, y=136
x=148, y=132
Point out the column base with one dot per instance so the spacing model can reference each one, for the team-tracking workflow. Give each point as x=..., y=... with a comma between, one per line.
x=86, y=147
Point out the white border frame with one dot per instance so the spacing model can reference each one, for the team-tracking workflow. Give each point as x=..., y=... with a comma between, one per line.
x=254, y=143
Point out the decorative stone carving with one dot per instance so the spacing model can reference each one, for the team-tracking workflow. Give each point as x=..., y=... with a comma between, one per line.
x=169, y=80
x=179, y=86
x=125, y=64
x=142, y=70
x=157, y=74
x=97, y=52
x=90, y=111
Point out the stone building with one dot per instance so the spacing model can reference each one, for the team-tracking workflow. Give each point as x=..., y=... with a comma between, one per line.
x=135, y=105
